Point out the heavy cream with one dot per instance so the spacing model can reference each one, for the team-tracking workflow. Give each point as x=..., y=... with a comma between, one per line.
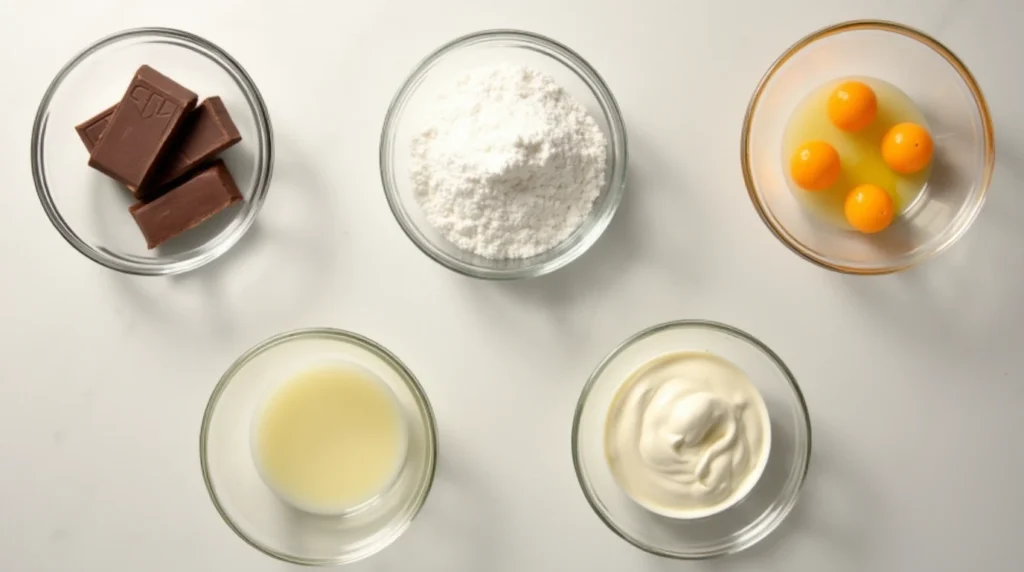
x=687, y=435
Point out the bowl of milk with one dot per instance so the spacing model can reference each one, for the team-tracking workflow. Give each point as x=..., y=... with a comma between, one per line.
x=318, y=447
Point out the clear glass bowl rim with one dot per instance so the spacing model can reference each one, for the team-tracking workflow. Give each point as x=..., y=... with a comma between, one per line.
x=600, y=90
x=263, y=177
x=347, y=337
x=721, y=328
x=960, y=225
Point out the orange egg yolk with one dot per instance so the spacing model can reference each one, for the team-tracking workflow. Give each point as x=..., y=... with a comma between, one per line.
x=907, y=148
x=869, y=208
x=814, y=166
x=852, y=106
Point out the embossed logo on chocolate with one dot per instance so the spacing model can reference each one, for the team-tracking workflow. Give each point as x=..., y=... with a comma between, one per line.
x=95, y=131
x=152, y=104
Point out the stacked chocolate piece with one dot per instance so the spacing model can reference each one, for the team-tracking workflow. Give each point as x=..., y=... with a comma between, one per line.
x=163, y=147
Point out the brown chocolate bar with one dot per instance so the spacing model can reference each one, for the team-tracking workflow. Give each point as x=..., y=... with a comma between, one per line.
x=207, y=131
x=202, y=195
x=145, y=121
x=92, y=130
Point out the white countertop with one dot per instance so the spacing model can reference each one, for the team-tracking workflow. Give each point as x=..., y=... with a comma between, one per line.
x=913, y=381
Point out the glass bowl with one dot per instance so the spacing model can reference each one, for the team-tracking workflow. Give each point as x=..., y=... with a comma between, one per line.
x=737, y=527
x=956, y=112
x=89, y=209
x=437, y=71
x=253, y=510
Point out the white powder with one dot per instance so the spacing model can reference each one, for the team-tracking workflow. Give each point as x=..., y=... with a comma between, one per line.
x=509, y=164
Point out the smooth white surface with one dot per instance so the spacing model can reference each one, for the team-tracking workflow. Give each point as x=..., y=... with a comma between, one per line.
x=105, y=377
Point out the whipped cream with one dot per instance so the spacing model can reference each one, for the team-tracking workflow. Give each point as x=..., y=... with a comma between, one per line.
x=687, y=435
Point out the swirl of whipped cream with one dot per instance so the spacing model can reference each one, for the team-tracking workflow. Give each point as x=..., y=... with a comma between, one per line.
x=687, y=435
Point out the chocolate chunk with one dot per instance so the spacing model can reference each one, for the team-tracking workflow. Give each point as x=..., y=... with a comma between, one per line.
x=202, y=195
x=207, y=131
x=145, y=121
x=92, y=130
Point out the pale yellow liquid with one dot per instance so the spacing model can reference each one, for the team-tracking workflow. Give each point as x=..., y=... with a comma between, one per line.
x=860, y=154
x=329, y=439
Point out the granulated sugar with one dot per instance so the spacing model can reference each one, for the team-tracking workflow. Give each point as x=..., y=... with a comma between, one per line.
x=509, y=164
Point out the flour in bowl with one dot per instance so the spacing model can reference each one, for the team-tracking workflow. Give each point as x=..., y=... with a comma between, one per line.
x=508, y=164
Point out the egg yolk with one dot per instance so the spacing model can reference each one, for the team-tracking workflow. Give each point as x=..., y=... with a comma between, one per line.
x=869, y=208
x=852, y=106
x=814, y=166
x=907, y=148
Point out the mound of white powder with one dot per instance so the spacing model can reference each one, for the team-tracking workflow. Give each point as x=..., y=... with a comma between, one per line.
x=509, y=164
